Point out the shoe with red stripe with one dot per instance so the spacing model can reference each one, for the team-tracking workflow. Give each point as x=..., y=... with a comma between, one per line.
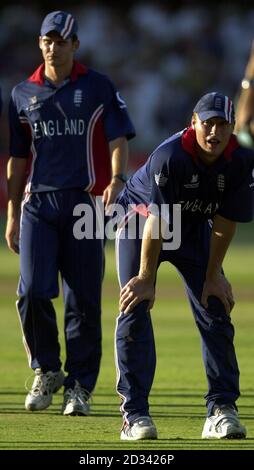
x=141, y=428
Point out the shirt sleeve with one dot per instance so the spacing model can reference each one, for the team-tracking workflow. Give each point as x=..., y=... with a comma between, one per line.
x=239, y=203
x=117, y=122
x=20, y=133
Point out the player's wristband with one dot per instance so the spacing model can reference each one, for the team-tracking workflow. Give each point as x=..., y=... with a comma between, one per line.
x=121, y=176
x=247, y=83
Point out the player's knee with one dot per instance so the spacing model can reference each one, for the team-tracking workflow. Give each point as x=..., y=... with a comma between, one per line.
x=133, y=326
x=217, y=312
x=34, y=291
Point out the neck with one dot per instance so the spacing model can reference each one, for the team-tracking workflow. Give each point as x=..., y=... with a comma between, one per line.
x=57, y=74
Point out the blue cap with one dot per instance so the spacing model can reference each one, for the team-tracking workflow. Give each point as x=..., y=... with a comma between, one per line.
x=64, y=23
x=215, y=105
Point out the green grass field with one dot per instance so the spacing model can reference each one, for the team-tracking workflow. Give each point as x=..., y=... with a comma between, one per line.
x=177, y=403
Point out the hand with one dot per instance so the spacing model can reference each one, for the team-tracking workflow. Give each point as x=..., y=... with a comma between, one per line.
x=110, y=193
x=221, y=288
x=136, y=290
x=12, y=233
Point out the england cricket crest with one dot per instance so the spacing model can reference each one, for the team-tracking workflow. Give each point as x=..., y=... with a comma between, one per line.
x=78, y=97
x=221, y=182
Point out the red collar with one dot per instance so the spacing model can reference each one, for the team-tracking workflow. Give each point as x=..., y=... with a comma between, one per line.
x=38, y=75
x=189, y=144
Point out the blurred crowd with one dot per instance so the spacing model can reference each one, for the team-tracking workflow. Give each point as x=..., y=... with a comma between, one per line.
x=161, y=58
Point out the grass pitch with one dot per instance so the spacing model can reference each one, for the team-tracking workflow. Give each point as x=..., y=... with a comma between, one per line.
x=177, y=403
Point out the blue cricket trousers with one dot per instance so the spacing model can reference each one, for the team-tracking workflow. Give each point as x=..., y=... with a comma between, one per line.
x=135, y=347
x=48, y=248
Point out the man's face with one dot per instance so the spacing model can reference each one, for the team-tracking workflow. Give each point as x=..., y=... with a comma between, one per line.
x=57, y=51
x=212, y=137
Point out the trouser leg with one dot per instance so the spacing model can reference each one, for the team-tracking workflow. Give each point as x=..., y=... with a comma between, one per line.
x=82, y=265
x=135, y=348
x=217, y=333
x=135, y=361
x=37, y=285
x=40, y=334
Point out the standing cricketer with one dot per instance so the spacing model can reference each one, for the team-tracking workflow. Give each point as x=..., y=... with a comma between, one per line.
x=69, y=129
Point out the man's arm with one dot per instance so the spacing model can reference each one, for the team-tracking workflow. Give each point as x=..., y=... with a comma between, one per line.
x=245, y=105
x=1, y=103
x=141, y=287
x=119, y=161
x=16, y=171
x=216, y=284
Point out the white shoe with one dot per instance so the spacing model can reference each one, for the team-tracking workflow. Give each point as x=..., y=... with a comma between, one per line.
x=224, y=424
x=44, y=385
x=76, y=401
x=140, y=429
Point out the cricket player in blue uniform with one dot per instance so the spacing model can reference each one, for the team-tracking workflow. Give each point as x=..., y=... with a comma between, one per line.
x=205, y=171
x=69, y=129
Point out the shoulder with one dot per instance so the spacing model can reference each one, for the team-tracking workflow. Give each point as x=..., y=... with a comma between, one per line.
x=24, y=87
x=241, y=167
x=99, y=77
x=170, y=150
x=21, y=94
x=17, y=89
x=244, y=152
x=243, y=157
x=101, y=85
x=17, y=94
